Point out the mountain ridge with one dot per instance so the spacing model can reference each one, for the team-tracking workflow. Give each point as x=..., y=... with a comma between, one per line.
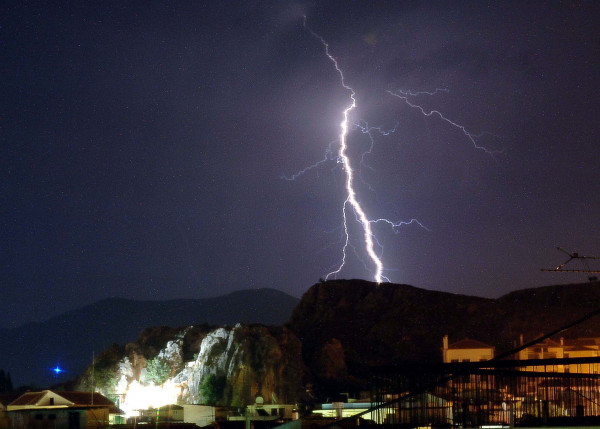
x=354, y=322
x=70, y=339
x=341, y=330
x=364, y=324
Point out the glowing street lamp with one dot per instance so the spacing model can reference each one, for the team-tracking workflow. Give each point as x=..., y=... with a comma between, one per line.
x=57, y=370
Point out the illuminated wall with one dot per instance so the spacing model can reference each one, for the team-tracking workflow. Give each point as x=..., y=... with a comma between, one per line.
x=466, y=350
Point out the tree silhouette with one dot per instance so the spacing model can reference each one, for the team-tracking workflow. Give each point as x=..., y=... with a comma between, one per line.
x=6, y=385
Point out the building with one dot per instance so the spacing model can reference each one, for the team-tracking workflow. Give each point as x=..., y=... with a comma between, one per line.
x=564, y=348
x=469, y=350
x=278, y=411
x=466, y=350
x=548, y=383
x=60, y=410
x=581, y=347
x=547, y=349
x=166, y=413
x=201, y=415
x=493, y=392
x=339, y=410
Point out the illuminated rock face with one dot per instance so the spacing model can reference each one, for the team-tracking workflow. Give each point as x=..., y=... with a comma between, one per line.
x=253, y=360
x=216, y=350
x=124, y=374
x=172, y=353
x=248, y=360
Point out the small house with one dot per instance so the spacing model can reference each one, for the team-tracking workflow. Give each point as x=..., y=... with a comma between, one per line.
x=61, y=410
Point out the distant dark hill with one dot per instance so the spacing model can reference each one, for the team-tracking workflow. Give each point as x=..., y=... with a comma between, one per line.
x=345, y=326
x=539, y=310
x=374, y=325
x=31, y=350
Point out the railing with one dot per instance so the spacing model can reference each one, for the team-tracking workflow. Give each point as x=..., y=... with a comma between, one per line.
x=474, y=394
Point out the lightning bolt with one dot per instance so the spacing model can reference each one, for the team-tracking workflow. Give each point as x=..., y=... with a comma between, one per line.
x=365, y=129
x=351, y=201
x=328, y=157
x=347, y=167
x=404, y=95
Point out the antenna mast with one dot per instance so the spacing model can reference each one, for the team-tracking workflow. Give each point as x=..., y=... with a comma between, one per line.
x=93, y=365
x=586, y=269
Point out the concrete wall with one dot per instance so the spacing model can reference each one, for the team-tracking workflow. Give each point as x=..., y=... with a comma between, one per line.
x=202, y=415
x=46, y=419
x=470, y=355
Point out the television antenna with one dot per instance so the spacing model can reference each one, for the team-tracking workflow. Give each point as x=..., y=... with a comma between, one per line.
x=584, y=262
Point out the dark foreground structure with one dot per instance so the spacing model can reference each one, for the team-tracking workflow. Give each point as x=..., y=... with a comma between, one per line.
x=542, y=392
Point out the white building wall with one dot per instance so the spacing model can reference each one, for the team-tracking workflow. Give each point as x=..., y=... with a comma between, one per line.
x=201, y=415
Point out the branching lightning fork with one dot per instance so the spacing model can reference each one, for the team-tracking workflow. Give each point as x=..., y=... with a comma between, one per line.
x=404, y=95
x=351, y=199
x=370, y=241
x=328, y=157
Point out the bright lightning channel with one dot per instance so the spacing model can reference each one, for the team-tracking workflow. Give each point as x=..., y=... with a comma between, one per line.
x=369, y=238
x=347, y=167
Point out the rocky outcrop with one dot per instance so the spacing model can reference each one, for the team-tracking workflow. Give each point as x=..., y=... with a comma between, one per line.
x=359, y=324
x=231, y=366
x=331, y=364
x=377, y=324
x=252, y=360
x=339, y=330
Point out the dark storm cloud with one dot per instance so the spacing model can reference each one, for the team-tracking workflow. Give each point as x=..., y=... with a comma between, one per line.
x=143, y=145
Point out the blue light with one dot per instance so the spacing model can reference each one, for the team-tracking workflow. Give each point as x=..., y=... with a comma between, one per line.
x=57, y=370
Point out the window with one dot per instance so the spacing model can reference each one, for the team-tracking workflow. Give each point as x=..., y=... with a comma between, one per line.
x=51, y=401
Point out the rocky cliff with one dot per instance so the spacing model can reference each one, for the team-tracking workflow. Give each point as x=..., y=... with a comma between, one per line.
x=347, y=326
x=339, y=330
x=200, y=364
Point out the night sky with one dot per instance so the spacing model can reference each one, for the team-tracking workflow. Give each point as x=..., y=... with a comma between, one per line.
x=143, y=145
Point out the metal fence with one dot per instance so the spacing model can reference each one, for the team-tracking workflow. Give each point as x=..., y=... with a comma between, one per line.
x=550, y=392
